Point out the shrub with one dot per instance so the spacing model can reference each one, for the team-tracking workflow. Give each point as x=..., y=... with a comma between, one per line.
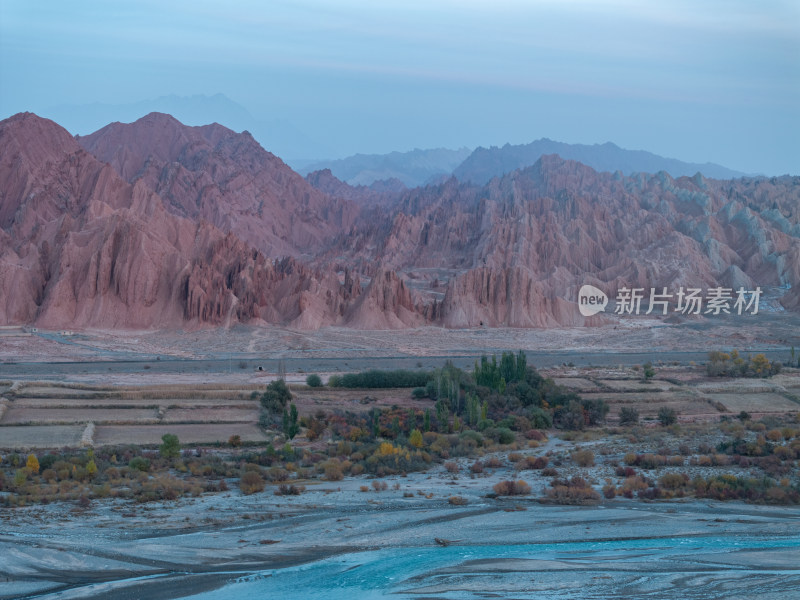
x=570, y=416
x=573, y=491
x=673, y=481
x=451, y=467
x=628, y=416
x=251, y=482
x=476, y=437
x=501, y=435
x=379, y=486
x=667, y=416
x=531, y=462
x=773, y=435
x=333, y=470
x=633, y=484
x=419, y=393
x=539, y=418
x=20, y=477
x=609, y=491
x=139, y=463
x=314, y=381
x=512, y=488
x=235, y=441
x=457, y=500
x=289, y=490
x=583, y=458
x=533, y=434
x=493, y=463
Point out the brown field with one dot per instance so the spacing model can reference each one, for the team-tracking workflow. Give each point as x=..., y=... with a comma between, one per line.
x=577, y=384
x=757, y=403
x=119, y=403
x=739, y=386
x=111, y=435
x=34, y=436
x=212, y=415
x=633, y=385
x=41, y=416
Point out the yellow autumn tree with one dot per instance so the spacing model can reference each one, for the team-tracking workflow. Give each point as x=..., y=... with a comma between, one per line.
x=415, y=438
x=32, y=464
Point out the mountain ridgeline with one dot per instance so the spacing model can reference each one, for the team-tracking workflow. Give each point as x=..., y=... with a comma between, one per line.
x=155, y=224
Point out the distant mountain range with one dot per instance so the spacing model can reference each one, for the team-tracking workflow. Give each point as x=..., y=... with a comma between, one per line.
x=421, y=167
x=414, y=168
x=485, y=163
x=159, y=224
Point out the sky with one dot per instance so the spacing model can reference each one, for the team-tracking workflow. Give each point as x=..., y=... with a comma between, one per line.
x=698, y=80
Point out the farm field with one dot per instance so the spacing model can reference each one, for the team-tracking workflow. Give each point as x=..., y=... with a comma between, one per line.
x=50, y=415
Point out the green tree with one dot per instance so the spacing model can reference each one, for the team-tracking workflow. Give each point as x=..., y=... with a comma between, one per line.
x=171, y=447
x=648, y=371
x=276, y=396
x=442, y=414
x=473, y=409
x=522, y=366
x=412, y=420
x=376, y=423
x=426, y=420
x=314, y=380
x=290, y=425
x=508, y=367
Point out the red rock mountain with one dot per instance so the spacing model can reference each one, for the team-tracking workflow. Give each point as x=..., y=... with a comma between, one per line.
x=173, y=226
x=226, y=178
x=79, y=246
x=515, y=251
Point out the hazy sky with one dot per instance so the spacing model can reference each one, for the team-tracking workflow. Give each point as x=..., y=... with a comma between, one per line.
x=699, y=80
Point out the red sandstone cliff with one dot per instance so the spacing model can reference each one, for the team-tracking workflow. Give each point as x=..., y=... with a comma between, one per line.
x=226, y=178
x=180, y=225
